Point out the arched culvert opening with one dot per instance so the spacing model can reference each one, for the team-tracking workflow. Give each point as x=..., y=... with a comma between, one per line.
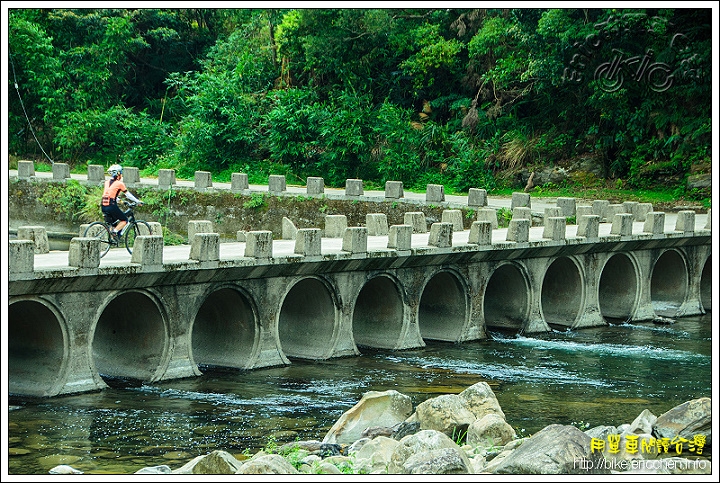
x=129, y=340
x=617, y=292
x=562, y=292
x=706, y=286
x=36, y=349
x=669, y=284
x=307, y=321
x=443, y=308
x=224, y=331
x=378, y=315
x=506, y=302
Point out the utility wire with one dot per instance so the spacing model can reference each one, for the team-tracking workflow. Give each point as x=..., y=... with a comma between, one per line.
x=17, y=89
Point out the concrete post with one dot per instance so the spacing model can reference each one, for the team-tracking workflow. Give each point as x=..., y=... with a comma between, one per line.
x=441, y=235
x=131, y=175
x=335, y=226
x=588, y=226
x=400, y=237
x=205, y=247
x=277, y=183
x=521, y=213
x=630, y=207
x=26, y=169
x=549, y=212
x=315, y=185
x=599, y=208
x=480, y=233
x=641, y=210
x=155, y=228
x=239, y=182
x=394, y=189
x=654, y=223
x=416, y=219
x=583, y=210
x=622, y=224
x=203, y=179
x=84, y=252
x=308, y=242
x=241, y=236
x=554, y=228
x=60, y=171
x=36, y=234
x=708, y=223
x=21, y=256
x=148, y=251
x=289, y=230
x=166, y=178
x=95, y=174
x=685, y=221
x=376, y=224
x=477, y=197
x=259, y=244
x=355, y=239
x=613, y=209
x=454, y=217
x=434, y=193
x=488, y=214
x=518, y=230
x=520, y=199
x=354, y=187
x=198, y=226
x=567, y=206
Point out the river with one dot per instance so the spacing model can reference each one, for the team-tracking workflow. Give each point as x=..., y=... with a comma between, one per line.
x=595, y=376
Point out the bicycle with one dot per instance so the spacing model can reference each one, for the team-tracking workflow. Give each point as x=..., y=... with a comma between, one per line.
x=103, y=231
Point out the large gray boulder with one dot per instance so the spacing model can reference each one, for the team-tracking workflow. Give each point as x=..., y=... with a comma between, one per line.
x=490, y=430
x=555, y=450
x=216, y=463
x=480, y=400
x=267, y=464
x=687, y=420
x=423, y=446
x=447, y=414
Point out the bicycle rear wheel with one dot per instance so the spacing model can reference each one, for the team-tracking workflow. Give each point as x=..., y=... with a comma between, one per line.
x=100, y=230
x=138, y=228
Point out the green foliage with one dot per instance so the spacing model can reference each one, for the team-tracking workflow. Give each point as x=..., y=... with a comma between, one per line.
x=72, y=201
x=257, y=200
x=504, y=215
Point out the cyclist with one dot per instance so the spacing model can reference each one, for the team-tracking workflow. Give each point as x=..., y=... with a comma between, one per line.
x=113, y=187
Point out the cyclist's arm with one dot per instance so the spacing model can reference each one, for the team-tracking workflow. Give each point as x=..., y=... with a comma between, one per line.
x=131, y=197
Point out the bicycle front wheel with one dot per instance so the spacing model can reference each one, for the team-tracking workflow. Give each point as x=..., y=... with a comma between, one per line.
x=100, y=230
x=138, y=228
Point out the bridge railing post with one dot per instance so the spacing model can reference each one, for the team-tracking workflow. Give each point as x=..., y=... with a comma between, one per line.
x=520, y=199
x=239, y=182
x=21, y=257
x=148, y=251
x=599, y=208
x=315, y=185
x=477, y=197
x=685, y=221
x=26, y=169
x=288, y=229
x=166, y=178
x=354, y=187
x=434, y=193
x=84, y=252
x=518, y=230
x=454, y=217
x=654, y=223
x=203, y=180
x=60, y=171
x=131, y=175
x=335, y=226
x=416, y=219
x=622, y=224
x=488, y=214
x=708, y=223
x=308, y=242
x=205, y=247
x=277, y=183
x=394, y=189
x=376, y=224
x=355, y=240
x=198, y=226
x=588, y=226
x=582, y=210
x=259, y=244
x=95, y=174
x=554, y=228
x=36, y=234
x=567, y=206
x=481, y=233
x=441, y=235
x=400, y=237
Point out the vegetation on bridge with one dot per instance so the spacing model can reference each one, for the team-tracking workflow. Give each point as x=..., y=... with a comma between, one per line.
x=461, y=97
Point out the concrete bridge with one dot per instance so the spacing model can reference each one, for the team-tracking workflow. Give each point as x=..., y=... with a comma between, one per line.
x=76, y=320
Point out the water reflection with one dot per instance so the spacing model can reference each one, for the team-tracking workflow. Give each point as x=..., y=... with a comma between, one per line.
x=604, y=375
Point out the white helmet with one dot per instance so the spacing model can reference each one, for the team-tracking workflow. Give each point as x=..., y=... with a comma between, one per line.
x=115, y=170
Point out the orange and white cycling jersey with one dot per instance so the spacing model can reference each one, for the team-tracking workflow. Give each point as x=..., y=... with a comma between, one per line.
x=112, y=189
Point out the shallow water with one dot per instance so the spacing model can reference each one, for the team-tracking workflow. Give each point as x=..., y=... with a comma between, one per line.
x=605, y=375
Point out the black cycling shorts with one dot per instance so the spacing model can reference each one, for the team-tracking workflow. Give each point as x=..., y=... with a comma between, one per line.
x=114, y=212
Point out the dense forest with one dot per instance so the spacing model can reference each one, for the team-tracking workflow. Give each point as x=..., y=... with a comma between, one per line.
x=462, y=97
